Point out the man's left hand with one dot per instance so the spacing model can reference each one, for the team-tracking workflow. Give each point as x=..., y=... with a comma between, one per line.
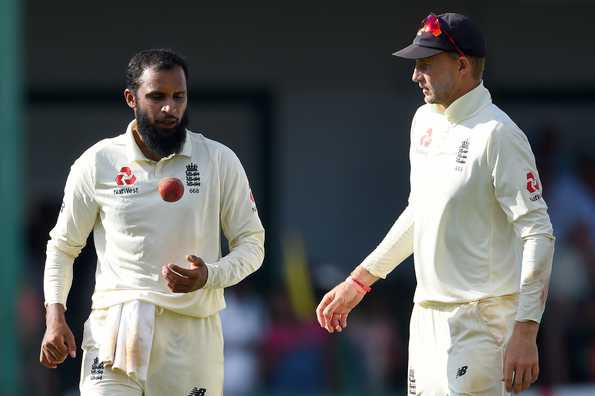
x=185, y=280
x=521, y=360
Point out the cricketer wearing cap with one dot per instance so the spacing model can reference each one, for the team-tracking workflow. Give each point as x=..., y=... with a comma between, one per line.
x=154, y=327
x=476, y=224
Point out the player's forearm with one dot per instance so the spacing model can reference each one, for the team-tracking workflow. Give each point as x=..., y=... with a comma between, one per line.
x=364, y=276
x=538, y=251
x=57, y=277
x=396, y=246
x=243, y=259
x=55, y=313
x=527, y=329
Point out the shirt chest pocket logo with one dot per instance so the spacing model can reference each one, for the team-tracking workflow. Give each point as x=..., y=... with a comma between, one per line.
x=193, y=178
x=462, y=154
x=125, y=180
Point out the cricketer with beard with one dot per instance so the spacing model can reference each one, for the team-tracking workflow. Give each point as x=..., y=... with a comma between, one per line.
x=154, y=327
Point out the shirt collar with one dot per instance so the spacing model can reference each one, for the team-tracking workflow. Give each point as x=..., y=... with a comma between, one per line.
x=467, y=105
x=134, y=152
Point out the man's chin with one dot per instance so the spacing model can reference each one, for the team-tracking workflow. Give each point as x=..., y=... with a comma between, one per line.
x=431, y=98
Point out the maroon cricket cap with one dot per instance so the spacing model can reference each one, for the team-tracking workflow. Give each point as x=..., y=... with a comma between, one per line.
x=449, y=32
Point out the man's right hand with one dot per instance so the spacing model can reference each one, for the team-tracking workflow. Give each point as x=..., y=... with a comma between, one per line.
x=335, y=306
x=58, y=341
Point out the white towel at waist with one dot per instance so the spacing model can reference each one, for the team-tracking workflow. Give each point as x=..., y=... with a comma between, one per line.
x=126, y=338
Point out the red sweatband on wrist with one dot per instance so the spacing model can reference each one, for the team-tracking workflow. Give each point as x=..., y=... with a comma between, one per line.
x=362, y=287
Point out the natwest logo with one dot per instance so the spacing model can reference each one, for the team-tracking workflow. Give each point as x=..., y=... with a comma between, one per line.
x=125, y=177
x=426, y=139
x=125, y=182
x=532, y=183
x=533, y=186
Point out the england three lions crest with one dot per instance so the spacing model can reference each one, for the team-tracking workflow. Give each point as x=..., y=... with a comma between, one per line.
x=193, y=178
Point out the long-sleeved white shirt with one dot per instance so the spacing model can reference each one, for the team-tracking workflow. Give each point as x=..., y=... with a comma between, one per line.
x=475, y=201
x=112, y=189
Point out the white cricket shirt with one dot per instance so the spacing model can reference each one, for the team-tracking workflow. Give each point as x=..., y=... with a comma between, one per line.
x=475, y=195
x=112, y=189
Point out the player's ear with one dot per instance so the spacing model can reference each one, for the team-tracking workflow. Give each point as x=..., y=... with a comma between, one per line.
x=465, y=65
x=130, y=98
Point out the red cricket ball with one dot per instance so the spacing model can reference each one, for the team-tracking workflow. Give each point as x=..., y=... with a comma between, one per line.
x=171, y=189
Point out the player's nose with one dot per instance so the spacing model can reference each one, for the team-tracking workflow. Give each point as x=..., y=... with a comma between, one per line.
x=168, y=108
x=415, y=75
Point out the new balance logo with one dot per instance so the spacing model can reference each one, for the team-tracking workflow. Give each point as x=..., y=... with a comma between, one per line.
x=462, y=371
x=96, y=370
x=198, y=392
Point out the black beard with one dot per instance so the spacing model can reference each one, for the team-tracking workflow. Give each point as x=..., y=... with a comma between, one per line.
x=162, y=141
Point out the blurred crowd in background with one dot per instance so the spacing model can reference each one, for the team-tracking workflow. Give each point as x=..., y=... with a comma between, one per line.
x=273, y=345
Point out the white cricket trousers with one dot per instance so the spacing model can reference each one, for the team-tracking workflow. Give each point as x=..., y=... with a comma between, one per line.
x=458, y=349
x=186, y=359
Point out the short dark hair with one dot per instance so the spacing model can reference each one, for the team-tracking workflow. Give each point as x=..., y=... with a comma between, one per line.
x=479, y=65
x=160, y=59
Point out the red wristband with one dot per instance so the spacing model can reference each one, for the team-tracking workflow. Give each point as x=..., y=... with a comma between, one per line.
x=362, y=287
